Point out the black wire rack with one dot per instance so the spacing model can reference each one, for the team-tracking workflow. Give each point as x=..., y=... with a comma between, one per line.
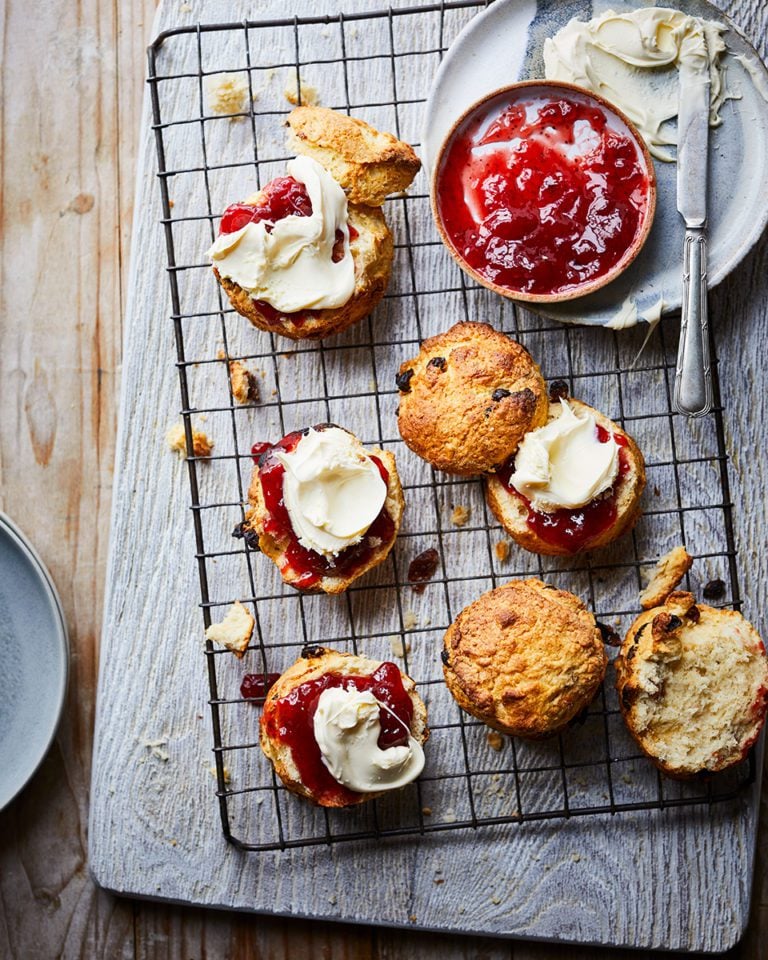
x=379, y=66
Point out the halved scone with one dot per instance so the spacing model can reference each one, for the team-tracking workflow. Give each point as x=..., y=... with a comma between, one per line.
x=326, y=510
x=693, y=686
x=564, y=493
x=334, y=722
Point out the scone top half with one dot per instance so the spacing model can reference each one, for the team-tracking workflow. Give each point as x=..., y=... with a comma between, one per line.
x=574, y=484
x=341, y=729
x=325, y=508
x=693, y=685
x=468, y=398
x=311, y=253
x=525, y=658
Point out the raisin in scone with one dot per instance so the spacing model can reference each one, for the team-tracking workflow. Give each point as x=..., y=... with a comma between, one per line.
x=342, y=729
x=524, y=658
x=693, y=685
x=326, y=509
x=468, y=398
x=574, y=484
x=311, y=253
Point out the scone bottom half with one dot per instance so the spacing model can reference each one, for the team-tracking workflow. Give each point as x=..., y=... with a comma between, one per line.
x=692, y=682
x=468, y=398
x=269, y=520
x=287, y=734
x=565, y=532
x=525, y=658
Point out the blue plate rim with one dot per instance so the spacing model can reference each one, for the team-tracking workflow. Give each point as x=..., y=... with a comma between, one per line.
x=62, y=636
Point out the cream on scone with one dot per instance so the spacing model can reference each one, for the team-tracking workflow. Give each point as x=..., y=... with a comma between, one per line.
x=325, y=509
x=342, y=729
x=693, y=685
x=574, y=484
x=309, y=255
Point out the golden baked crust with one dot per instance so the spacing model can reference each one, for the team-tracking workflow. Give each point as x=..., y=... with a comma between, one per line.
x=372, y=251
x=667, y=574
x=468, y=398
x=368, y=164
x=275, y=548
x=512, y=512
x=315, y=662
x=693, y=685
x=524, y=658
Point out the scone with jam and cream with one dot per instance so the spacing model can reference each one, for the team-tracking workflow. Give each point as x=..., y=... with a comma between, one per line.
x=342, y=729
x=325, y=509
x=574, y=484
x=311, y=253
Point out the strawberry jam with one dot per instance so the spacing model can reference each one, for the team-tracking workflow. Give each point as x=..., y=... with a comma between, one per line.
x=544, y=194
x=308, y=566
x=291, y=721
x=282, y=197
x=573, y=530
x=256, y=686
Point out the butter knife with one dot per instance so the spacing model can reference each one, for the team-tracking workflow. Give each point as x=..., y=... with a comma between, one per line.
x=693, y=375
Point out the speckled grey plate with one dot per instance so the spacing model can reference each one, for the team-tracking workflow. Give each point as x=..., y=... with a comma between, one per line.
x=34, y=652
x=504, y=44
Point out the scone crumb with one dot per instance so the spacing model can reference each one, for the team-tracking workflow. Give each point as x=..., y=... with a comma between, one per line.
x=438, y=880
x=177, y=441
x=495, y=899
x=449, y=816
x=413, y=918
x=666, y=575
x=245, y=388
x=156, y=748
x=212, y=770
x=309, y=94
x=427, y=811
x=226, y=93
x=576, y=857
x=501, y=549
x=410, y=620
x=399, y=646
x=460, y=515
x=234, y=631
x=495, y=740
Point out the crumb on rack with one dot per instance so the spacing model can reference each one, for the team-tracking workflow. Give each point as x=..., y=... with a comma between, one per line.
x=309, y=95
x=666, y=575
x=426, y=811
x=156, y=748
x=245, y=388
x=495, y=899
x=501, y=549
x=234, y=631
x=226, y=93
x=177, y=441
x=171, y=204
x=495, y=740
x=410, y=620
x=212, y=770
x=576, y=857
x=399, y=646
x=460, y=515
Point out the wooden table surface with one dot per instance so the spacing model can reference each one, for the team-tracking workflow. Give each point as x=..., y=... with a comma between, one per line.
x=72, y=89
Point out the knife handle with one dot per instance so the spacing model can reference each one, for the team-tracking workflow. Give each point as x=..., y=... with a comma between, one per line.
x=693, y=376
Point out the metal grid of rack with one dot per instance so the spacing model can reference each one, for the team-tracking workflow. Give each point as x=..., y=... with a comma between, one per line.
x=379, y=66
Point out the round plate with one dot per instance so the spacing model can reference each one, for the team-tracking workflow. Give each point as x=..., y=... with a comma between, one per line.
x=504, y=44
x=35, y=655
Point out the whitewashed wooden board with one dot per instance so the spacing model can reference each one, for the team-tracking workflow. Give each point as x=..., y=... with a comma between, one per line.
x=679, y=880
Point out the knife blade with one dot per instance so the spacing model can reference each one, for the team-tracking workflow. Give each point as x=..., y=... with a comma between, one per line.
x=693, y=374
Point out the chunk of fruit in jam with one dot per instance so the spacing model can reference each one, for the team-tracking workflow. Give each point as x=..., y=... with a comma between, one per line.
x=282, y=197
x=256, y=686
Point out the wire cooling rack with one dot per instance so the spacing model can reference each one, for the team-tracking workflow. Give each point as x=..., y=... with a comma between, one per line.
x=379, y=66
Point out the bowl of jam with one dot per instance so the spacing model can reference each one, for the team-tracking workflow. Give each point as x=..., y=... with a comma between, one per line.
x=543, y=192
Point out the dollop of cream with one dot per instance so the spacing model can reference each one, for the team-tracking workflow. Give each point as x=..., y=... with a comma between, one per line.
x=347, y=728
x=332, y=490
x=563, y=465
x=291, y=266
x=633, y=60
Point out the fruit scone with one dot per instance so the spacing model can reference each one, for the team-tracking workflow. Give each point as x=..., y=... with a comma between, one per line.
x=525, y=658
x=325, y=509
x=574, y=484
x=311, y=253
x=341, y=729
x=693, y=685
